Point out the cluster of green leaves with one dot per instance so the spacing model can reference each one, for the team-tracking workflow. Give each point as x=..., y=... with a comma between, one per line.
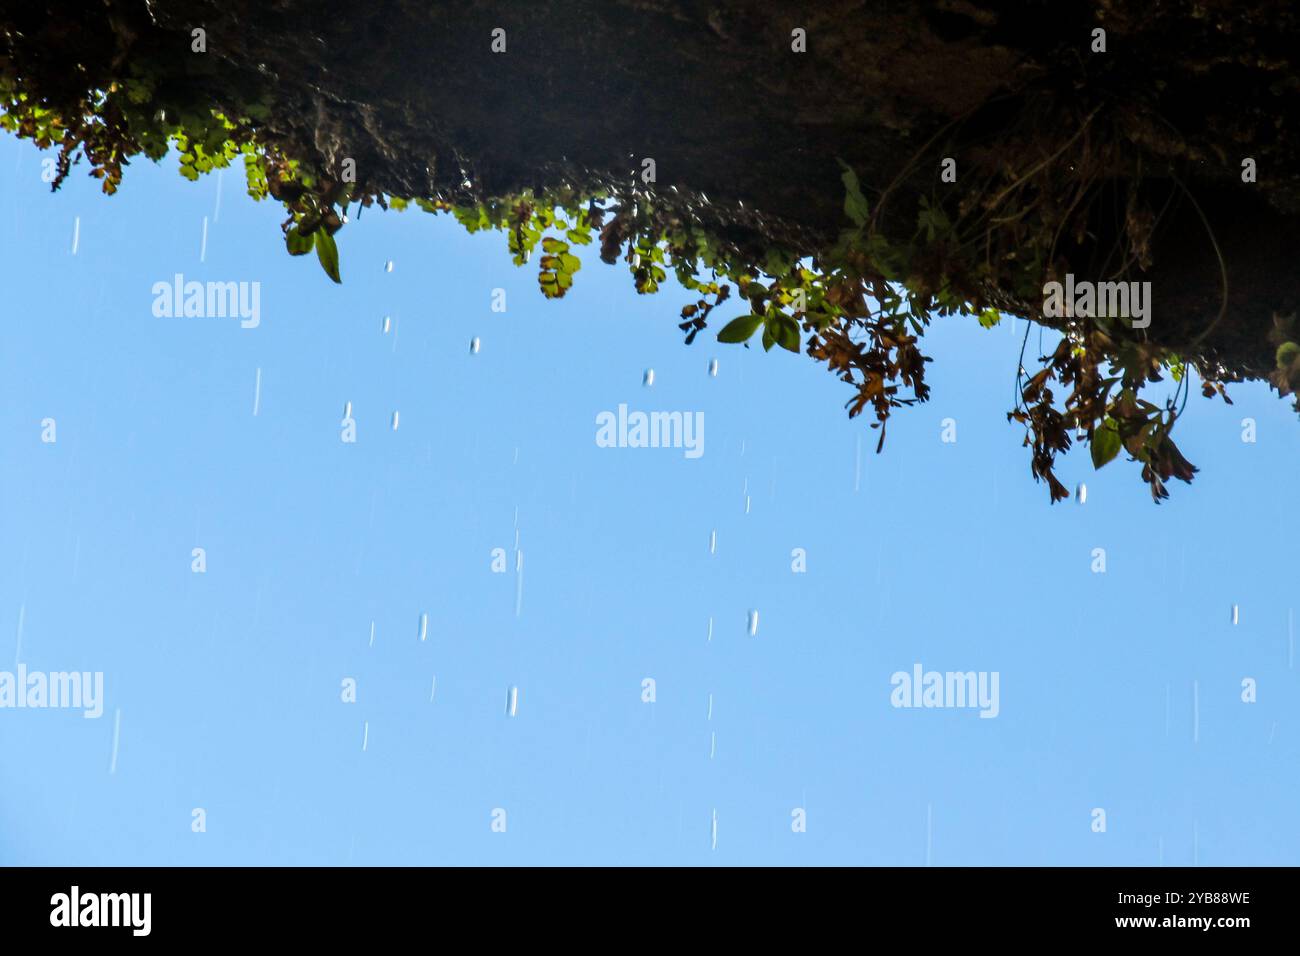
x=824, y=301
x=778, y=328
x=1107, y=406
x=861, y=305
x=313, y=216
x=1004, y=235
x=557, y=223
x=1285, y=377
x=134, y=117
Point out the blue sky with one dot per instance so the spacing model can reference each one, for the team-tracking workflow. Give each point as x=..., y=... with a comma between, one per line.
x=228, y=683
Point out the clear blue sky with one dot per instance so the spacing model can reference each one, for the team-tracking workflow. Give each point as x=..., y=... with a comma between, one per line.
x=228, y=682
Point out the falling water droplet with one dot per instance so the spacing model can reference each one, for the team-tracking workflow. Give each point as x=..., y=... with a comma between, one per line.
x=713, y=836
x=347, y=409
x=257, y=393
x=424, y=626
x=512, y=701
x=1236, y=614
x=710, y=629
x=713, y=744
x=753, y=623
x=372, y=633
x=710, y=717
x=117, y=736
x=713, y=368
x=76, y=235
x=1081, y=493
x=519, y=582
x=365, y=737
x=388, y=266
x=713, y=542
x=474, y=346
x=1196, y=712
x=394, y=421
x=746, y=504
x=649, y=378
x=388, y=324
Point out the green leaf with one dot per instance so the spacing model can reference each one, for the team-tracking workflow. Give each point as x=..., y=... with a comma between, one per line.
x=785, y=332
x=932, y=219
x=741, y=329
x=328, y=253
x=550, y=283
x=989, y=318
x=855, y=204
x=1286, y=354
x=1105, y=443
x=297, y=243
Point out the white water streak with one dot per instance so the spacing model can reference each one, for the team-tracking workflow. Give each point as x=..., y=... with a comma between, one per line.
x=117, y=736
x=1196, y=712
x=22, y=616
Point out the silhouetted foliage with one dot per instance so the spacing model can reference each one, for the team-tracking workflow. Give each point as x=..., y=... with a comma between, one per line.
x=1058, y=174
